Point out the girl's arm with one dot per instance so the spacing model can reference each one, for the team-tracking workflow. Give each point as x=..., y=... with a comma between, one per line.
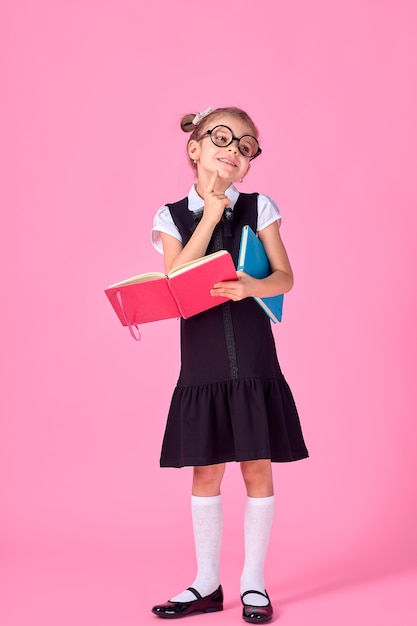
x=175, y=254
x=280, y=280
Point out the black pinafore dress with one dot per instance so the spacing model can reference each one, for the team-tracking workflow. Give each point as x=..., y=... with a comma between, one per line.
x=231, y=402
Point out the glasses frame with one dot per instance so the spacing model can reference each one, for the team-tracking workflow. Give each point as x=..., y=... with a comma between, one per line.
x=237, y=139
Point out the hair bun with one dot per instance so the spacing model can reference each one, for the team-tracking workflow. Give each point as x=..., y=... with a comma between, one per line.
x=187, y=123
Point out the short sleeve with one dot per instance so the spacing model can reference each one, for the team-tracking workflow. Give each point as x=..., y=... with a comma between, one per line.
x=268, y=212
x=163, y=223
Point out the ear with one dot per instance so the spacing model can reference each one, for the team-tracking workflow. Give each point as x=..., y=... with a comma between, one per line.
x=193, y=149
x=247, y=171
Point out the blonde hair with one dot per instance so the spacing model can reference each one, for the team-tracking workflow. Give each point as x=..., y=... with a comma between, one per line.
x=198, y=130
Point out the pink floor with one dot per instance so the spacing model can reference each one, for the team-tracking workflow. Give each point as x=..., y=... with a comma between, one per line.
x=115, y=588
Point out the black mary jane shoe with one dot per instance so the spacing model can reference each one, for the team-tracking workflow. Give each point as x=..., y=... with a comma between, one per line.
x=208, y=604
x=256, y=614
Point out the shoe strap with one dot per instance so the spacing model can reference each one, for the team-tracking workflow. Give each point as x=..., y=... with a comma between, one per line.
x=195, y=592
x=265, y=595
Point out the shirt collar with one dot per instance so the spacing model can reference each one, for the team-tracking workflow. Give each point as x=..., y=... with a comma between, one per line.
x=195, y=203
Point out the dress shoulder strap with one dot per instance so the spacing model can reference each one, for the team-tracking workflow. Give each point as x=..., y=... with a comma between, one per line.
x=183, y=219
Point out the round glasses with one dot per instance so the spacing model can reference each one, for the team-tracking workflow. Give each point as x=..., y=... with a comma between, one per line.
x=222, y=136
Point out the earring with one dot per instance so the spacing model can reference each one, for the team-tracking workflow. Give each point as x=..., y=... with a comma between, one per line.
x=195, y=162
x=240, y=181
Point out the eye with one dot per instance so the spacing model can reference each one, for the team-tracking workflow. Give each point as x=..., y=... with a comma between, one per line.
x=221, y=136
x=248, y=146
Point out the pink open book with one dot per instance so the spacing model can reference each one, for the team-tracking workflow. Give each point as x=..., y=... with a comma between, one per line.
x=183, y=292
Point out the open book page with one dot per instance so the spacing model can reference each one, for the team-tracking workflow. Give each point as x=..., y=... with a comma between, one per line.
x=196, y=263
x=141, y=278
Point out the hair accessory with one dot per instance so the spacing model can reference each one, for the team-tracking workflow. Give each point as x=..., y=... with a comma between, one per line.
x=197, y=119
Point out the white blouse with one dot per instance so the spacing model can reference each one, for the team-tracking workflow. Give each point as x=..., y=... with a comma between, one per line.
x=268, y=213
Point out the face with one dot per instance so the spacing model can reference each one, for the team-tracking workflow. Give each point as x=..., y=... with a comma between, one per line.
x=231, y=164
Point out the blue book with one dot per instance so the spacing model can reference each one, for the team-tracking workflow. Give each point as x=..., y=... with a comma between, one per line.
x=254, y=261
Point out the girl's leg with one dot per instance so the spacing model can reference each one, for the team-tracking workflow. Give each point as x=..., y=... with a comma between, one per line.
x=258, y=523
x=206, y=506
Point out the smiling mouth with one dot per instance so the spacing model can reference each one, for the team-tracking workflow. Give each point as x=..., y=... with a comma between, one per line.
x=222, y=160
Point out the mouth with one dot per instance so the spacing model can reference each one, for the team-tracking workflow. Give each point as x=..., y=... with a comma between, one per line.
x=227, y=161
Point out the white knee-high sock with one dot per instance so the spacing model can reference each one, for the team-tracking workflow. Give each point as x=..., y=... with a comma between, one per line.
x=207, y=515
x=258, y=523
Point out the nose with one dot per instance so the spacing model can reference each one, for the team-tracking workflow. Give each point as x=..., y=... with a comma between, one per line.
x=233, y=146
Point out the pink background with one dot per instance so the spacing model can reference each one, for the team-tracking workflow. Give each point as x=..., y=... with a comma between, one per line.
x=92, y=531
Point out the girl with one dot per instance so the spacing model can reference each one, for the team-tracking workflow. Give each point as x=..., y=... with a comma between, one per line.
x=231, y=402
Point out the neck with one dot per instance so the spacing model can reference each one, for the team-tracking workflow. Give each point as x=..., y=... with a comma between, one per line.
x=203, y=182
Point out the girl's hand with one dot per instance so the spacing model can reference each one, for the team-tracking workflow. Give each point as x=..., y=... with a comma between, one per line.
x=215, y=201
x=235, y=289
